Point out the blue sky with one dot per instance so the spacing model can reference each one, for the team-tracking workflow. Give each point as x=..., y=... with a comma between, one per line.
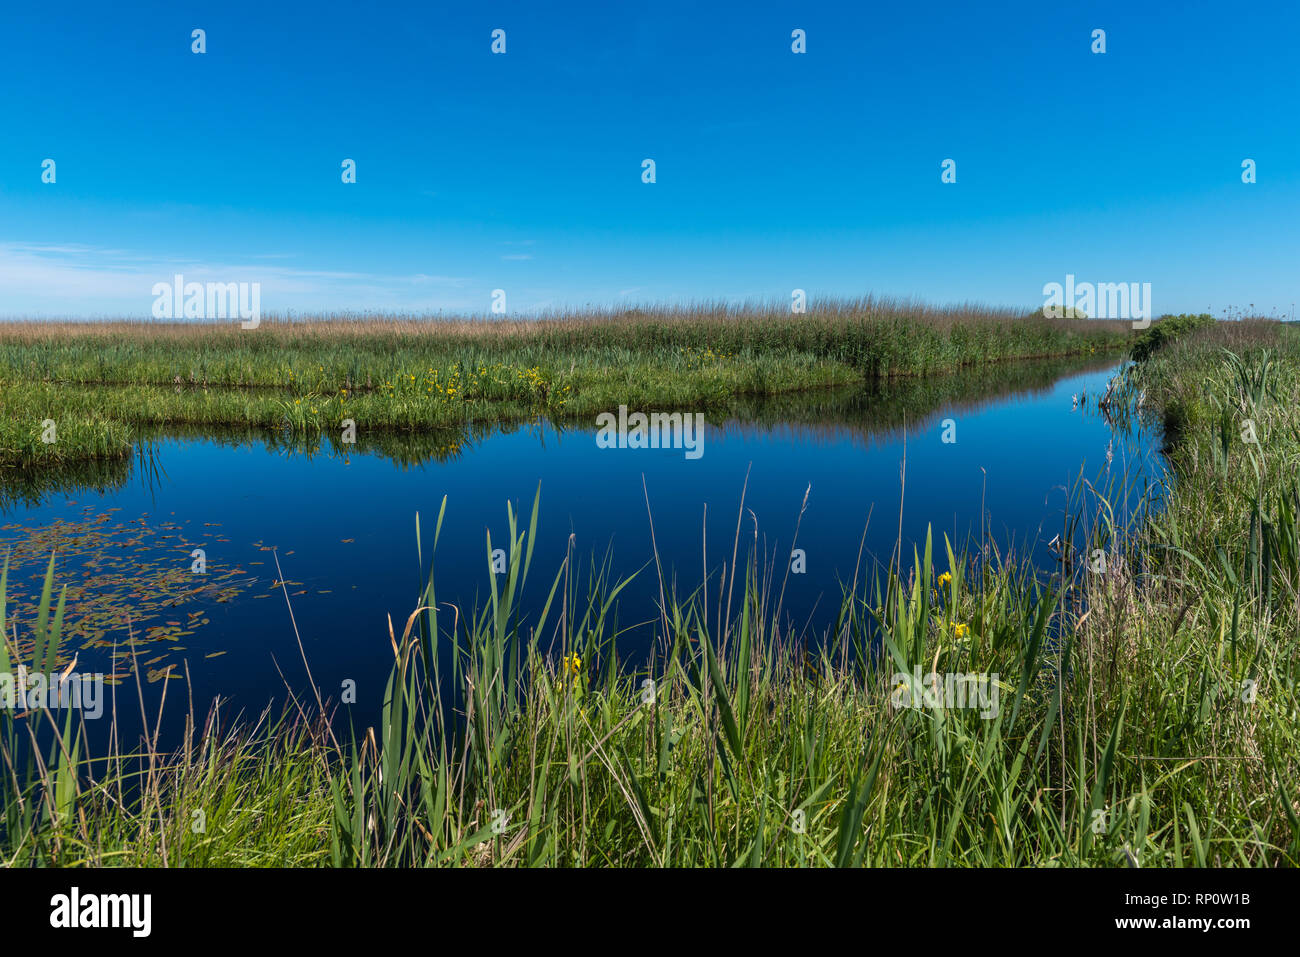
x=522, y=171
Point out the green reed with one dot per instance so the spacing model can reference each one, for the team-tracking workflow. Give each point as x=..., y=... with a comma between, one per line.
x=1147, y=703
x=102, y=383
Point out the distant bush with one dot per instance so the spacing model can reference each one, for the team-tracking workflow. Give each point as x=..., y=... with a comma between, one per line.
x=1165, y=330
x=1061, y=312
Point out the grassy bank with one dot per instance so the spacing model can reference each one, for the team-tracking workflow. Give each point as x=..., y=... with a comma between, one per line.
x=1146, y=715
x=860, y=413
x=102, y=383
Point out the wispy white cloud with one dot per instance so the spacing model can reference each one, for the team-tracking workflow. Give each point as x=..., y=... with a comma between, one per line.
x=72, y=279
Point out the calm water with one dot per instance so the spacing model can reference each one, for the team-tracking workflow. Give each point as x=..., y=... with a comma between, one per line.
x=343, y=526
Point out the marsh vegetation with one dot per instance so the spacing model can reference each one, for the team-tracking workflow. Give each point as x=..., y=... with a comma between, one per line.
x=1147, y=711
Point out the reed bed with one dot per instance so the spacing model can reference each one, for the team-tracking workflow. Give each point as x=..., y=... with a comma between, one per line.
x=102, y=382
x=1147, y=710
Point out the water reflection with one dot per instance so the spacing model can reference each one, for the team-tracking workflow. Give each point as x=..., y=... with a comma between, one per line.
x=328, y=530
x=874, y=413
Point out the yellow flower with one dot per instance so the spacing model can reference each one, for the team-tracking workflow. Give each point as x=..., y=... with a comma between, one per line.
x=944, y=579
x=573, y=664
x=960, y=630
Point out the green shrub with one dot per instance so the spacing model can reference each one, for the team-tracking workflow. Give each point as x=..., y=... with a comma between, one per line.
x=1165, y=330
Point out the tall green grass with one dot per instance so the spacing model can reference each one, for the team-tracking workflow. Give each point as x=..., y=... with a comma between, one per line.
x=1147, y=710
x=102, y=383
x=253, y=796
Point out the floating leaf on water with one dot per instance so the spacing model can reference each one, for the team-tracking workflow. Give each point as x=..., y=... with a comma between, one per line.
x=119, y=580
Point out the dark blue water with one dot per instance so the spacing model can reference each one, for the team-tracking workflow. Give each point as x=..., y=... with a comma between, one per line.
x=343, y=527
